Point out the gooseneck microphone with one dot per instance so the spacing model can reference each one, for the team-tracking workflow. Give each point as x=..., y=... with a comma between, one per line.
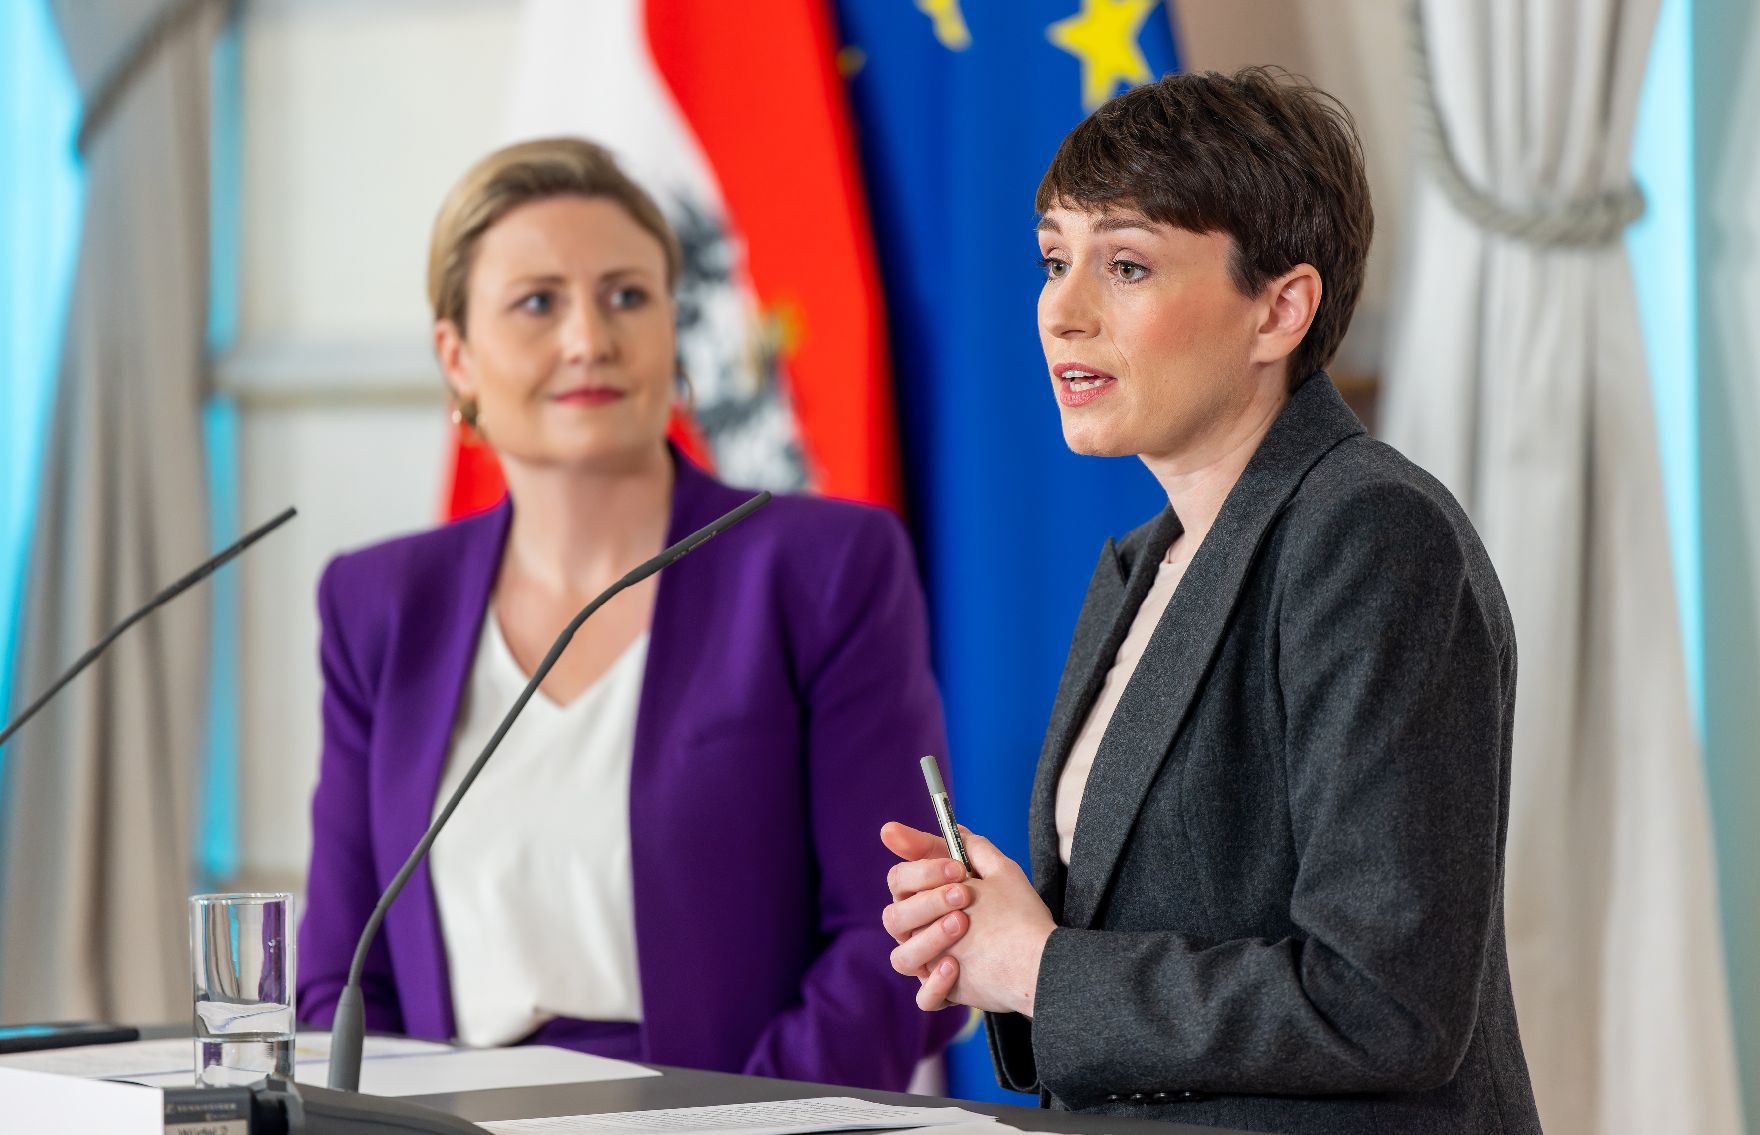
x=203, y=572
x=349, y=1025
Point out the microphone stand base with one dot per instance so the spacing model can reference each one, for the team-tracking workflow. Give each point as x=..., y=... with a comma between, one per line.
x=280, y=1107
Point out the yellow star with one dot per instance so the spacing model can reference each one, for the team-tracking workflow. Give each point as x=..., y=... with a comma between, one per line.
x=1103, y=35
x=950, y=23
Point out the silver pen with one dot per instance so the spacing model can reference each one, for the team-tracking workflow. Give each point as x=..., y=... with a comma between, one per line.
x=944, y=813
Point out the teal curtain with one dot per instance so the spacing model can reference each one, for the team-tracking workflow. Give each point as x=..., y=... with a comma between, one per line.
x=1665, y=272
x=40, y=191
x=217, y=845
x=1673, y=157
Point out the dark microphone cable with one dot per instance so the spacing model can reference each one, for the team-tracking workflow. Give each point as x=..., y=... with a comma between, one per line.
x=214, y=564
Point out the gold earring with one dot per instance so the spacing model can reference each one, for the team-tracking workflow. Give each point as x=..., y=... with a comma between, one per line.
x=467, y=417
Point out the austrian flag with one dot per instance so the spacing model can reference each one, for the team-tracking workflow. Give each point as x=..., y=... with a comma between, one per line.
x=734, y=117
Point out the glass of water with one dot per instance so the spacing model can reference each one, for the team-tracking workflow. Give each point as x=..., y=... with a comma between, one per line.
x=241, y=953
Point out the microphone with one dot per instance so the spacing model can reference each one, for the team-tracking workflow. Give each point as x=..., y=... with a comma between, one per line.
x=349, y=1026
x=209, y=568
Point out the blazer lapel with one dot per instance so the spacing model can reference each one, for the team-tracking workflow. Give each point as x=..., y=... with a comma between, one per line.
x=414, y=742
x=1114, y=594
x=1168, y=677
x=687, y=595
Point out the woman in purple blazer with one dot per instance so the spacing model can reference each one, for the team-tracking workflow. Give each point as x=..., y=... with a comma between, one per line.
x=753, y=713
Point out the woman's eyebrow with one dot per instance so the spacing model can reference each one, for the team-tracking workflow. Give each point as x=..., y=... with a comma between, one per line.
x=1114, y=222
x=1105, y=223
x=535, y=278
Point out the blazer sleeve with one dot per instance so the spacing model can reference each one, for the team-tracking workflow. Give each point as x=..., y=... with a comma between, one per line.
x=872, y=710
x=1395, y=676
x=341, y=887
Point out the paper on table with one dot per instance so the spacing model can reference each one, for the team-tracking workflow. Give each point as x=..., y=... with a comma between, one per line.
x=771, y=1117
x=107, y=1061
x=479, y=1069
x=314, y=1048
x=171, y=1061
x=437, y=1068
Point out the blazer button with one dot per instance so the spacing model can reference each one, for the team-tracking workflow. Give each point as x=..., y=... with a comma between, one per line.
x=1112, y=1098
x=1136, y=1095
x=1160, y=1095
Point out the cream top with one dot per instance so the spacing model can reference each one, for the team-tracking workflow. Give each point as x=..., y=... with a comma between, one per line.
x=1074, y=778
x=532, y=875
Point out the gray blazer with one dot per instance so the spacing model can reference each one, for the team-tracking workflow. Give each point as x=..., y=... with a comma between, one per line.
x=1284, y=905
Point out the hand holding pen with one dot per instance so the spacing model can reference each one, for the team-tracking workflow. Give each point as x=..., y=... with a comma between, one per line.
x=956, y=846
x=968, y=938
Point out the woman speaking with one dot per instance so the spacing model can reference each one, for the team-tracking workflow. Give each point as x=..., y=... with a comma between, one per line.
x=756, y=709
x=1268, y=824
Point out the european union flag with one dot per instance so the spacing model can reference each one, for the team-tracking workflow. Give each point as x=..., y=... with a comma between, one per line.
x=959, y=108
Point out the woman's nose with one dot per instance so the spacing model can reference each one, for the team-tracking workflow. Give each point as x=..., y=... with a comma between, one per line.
x=1068, y=307
x=587, y=335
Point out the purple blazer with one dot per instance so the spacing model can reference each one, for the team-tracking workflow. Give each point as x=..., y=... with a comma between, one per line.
x=786, y=701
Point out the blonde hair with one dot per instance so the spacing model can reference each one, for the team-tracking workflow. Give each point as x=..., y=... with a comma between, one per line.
x=518, y=175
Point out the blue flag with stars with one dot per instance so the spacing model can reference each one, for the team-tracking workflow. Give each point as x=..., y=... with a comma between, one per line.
x=959, y=107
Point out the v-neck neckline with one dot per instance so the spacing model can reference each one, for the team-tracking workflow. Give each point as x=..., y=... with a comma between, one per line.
x=516, y=673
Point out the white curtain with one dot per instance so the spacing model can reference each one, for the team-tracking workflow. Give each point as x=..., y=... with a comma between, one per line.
x=1516, y=374
x=100, y=787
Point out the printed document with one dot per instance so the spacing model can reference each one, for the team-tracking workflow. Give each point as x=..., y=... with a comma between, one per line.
x=772, y=1117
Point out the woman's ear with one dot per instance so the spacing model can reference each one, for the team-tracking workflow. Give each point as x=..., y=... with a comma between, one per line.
x=453, y=353
x=1293, y=299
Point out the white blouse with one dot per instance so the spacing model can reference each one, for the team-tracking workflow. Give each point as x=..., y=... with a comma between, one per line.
x=1074, y=779
x=532, y=874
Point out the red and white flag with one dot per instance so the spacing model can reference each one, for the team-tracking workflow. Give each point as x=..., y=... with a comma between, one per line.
x=734, y=117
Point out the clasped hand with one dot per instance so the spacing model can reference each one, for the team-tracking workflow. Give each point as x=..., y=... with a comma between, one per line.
x=973, y=942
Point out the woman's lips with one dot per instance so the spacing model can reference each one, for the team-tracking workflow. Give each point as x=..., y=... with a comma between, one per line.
x=590, y=396
x=1078, y=385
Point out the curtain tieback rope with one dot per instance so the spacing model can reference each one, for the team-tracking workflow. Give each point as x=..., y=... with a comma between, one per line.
x=1589, y=222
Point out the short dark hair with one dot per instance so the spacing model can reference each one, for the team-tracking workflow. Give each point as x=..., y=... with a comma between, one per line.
x=1269, y=159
